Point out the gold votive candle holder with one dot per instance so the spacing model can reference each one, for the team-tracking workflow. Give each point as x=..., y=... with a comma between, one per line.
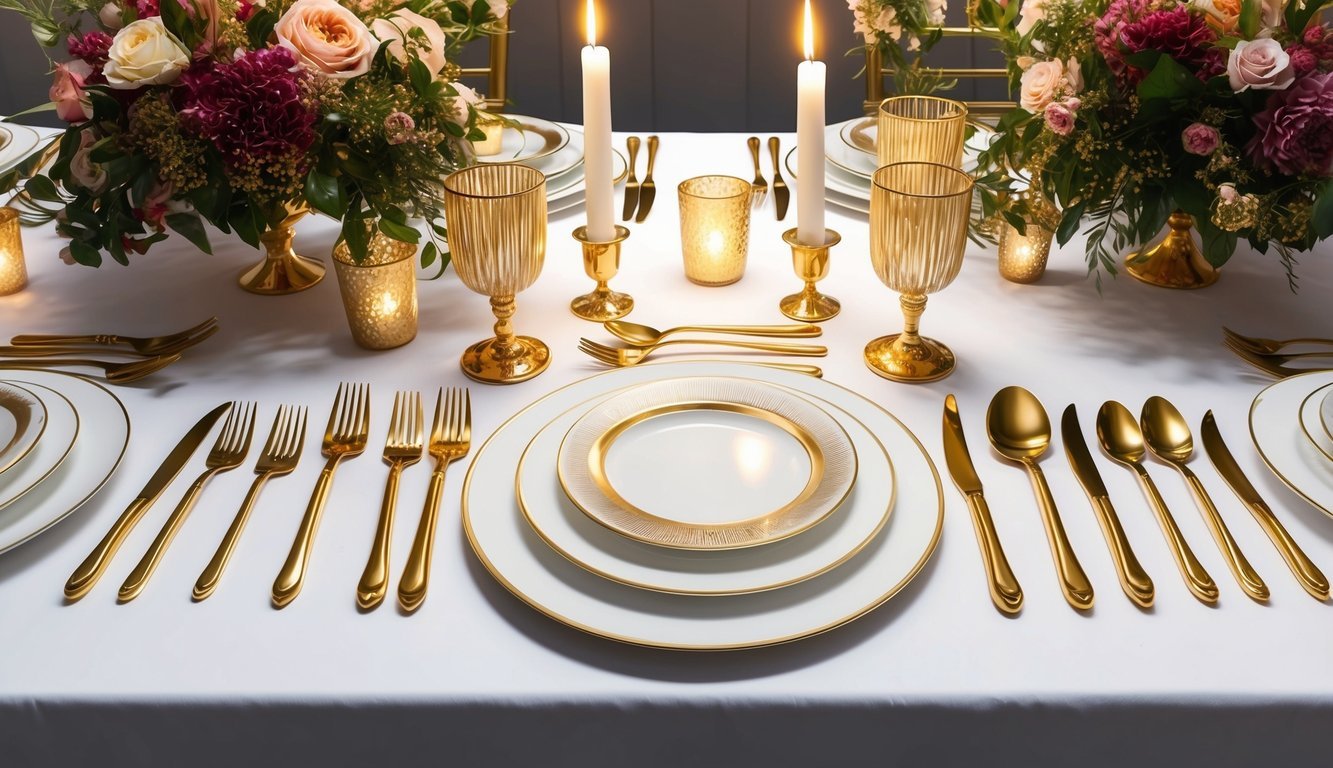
x=1023, y=255
x=922, y=129
x=13, y=268
x=811, y=263
x=380, y=293
x=714, y=228
x=601, y=262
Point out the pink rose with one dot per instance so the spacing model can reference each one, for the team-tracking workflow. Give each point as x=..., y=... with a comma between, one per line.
x=1040, y=85
x=1260, y=64
x=1200, y=139
x=72, y=104
x=1059, y=118
x=326, y=38
x=82, y=170
x=396, y=28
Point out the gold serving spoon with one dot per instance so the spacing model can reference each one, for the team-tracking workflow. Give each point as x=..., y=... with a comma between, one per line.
x=634, y=333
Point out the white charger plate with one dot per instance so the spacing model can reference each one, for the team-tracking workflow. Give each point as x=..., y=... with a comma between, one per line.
x=518, y=558
x=1275, y=428
x=538, y=139
x=1314, y=426
x=62, y=430
x=732, y=572
x=22, y=423
x=862, y=163
x=571, y=183
x=103, y=435
x=23, y=140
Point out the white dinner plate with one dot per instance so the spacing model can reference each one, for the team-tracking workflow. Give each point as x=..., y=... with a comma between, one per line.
x=707, y=463
x=1275, y=428
x=569, y=157
x=23, y=140
x=571, y=182
x=22, y=422
x=104, y=432
x=836, y=180
x=533, y=140
x=862, y=164
x=1326, y=413
x=62, y=429
x=518, y=558
x=730, y=572
x=1312, y=422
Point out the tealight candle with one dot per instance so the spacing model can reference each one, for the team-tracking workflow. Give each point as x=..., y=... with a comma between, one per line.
x=13, y=269
x=380, y=293
x=714, y=228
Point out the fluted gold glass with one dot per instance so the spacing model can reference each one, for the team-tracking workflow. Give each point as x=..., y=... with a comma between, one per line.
x=13, y=268
x=380, y=293
x=714, y=228
x=496, y=216
x=918, y=229
x=924, y=129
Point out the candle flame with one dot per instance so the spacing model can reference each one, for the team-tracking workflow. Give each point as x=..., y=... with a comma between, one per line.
x=591, y=15
x=809, y=32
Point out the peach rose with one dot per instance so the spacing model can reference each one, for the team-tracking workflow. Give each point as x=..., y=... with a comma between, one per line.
x=84, y=172
x=72, y=104
x=326, y=38
x=398, y=26
x=144, y=53
x=1223, y=15
x=1040, y=85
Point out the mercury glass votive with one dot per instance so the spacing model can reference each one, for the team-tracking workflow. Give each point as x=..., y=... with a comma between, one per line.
x=921, y=129
x=13, y=269
x=1023, y=254
x=714, y=228
x=380, y=293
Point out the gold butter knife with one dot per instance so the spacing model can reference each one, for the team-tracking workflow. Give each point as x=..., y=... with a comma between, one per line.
x=648, y=189
x=781, y=194
x=632, y=184
x=1305, y=571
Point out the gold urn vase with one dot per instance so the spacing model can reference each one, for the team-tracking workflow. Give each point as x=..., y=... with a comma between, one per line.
x=1174, y=261
x=282, y=271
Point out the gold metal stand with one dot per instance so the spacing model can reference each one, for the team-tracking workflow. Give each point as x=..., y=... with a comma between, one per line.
x=601, y=261
x=909, y=357
x=811, y=263
x=1175, y=261
x=506, y=358
x=282, y=271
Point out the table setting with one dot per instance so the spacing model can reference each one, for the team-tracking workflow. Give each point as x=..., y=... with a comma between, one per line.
x=610, y=439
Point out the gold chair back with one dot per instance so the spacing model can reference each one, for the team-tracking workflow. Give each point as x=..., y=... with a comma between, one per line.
x=496, y=70
x=876, y=73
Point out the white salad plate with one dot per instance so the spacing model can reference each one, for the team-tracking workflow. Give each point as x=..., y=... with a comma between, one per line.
x=104, y=432
x=1316, y=429
x=62, y=429
x=22, y=422
x=730, y=572
x=1278, y=435
x=522, y=562
x=534, y=139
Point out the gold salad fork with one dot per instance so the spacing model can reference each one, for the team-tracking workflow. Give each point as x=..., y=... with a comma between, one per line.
x=146, y=345
x=627, y=356
x=279, y=457
x=402, y=448
x=345, y=437
x=228, y=453
x=758, y=187
x=450, y=440
x=1264, y=346
x=116, y=373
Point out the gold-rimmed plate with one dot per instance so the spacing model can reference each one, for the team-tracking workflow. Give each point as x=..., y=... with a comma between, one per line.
x=22, y=423
x=1316, y=429
x=1275, y=429
x=62, y=429
x=707, y=463
x=533, y=139
x=730, y=572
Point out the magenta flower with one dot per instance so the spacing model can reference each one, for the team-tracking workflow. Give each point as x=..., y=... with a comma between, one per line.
x=1178, y=33
x=1108, y=28
x=1303, y=60
x=1295, y=135
x=249, y=108
x=1200, y=139
x=92, y=47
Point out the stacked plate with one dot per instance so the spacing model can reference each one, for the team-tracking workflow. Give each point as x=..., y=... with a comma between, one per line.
x=703, y=506
x=1291, y=424
x=851, y=159
x=61, y=438
x=557, y=151
x=16, y=143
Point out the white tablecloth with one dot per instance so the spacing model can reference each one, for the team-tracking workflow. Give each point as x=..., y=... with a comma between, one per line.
x=936, y=676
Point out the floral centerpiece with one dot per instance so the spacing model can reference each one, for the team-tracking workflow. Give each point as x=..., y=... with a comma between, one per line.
x=887, y=24
x=1130, y=110
x=241, y=112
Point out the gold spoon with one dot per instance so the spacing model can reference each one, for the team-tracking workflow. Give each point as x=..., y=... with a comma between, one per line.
x=1122, y=441
x=1169, y=439
x=1020, y=431
x=634, y=333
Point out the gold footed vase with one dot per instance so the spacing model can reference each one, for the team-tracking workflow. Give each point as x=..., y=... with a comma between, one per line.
x=908, y=356
x=506, y=358
x=282, y=271
x=1175, y=261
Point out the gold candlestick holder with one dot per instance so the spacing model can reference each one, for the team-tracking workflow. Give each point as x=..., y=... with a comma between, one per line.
x=811, y=263
x=601, y=261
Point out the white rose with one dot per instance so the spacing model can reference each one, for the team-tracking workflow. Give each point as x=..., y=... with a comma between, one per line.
x=86, y=173
x=466, y=97
x=1032, y=12
x=935, y=11
x=398, y=26
x=1260, y=64
x=110, y=16
x=144, y=53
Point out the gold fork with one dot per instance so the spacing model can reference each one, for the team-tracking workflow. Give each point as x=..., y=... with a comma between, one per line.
x=758, y=187
x=1268, y=346
x=1267, y=364
x=402, y=448
x=279, y=457
x=144, y=345
x=626, y=356
x=228, y=452
x=345, y=437
x=116, y=373
x=450, y=440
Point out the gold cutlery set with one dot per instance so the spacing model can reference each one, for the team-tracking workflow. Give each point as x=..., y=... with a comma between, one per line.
x=346, y=436
x=1274, y=356
x=640, y=195
x=759, y=187
x=637, y=342
x=1020, y=431
x=29, y=351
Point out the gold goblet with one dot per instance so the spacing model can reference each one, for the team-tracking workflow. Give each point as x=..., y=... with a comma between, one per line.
x=496, y=215
x=601, y=262
x=918, y=229
x=924, y=129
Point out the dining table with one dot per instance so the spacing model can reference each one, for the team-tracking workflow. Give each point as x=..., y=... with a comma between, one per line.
x=935, y=676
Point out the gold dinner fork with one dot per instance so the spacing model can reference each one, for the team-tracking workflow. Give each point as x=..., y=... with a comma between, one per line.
x=228, y=452
x=758, y=187
x=450, y=440
x=116, y=373
x=279, y=457
x=345, y=437
x=627, y=356
x=144, y=345
x=1268, y=364
x=402, y=448
x=1264, y=346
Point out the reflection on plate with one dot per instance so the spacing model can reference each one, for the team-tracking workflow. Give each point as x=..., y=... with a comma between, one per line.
x=534, y=139
x=729, y=572
x=707, y=464
x=1275, y=428
x=62, y=429
x=1312, y=422
x=104, y=433
x=22, y=422
x=518, y=558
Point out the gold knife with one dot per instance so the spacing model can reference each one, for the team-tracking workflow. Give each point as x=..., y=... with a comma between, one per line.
x=648, y=189
x=781, y=194
x=91, y=569
x=1004, y=589
x=632, y=184
x=1134, y=580
x=1305, y=571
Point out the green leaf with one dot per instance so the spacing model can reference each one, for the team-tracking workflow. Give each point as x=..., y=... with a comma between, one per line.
x=42, y=188
x=419, y=74
x=85, y=254
x=1218, y=244
x=1069, y=223
x=1322, y=215
x=428, y=254
x=1251, y=12
x=325, y=193
x=1169, y=80
x=357, y=236
x=242, y=220
x=178, y=22
x=399, y=232
x=192, y=228
x=481, y=10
